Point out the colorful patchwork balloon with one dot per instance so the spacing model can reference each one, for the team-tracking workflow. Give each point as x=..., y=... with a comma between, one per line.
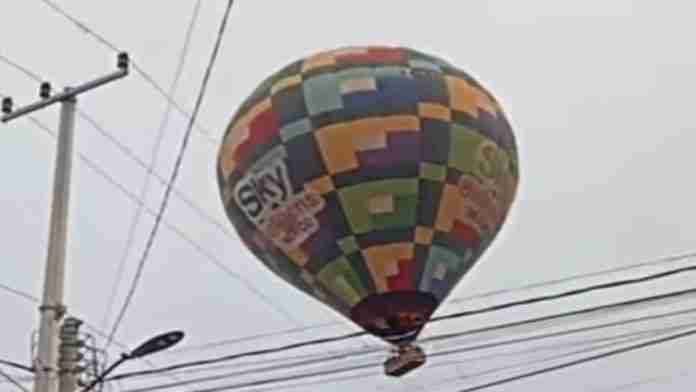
x=372, y=179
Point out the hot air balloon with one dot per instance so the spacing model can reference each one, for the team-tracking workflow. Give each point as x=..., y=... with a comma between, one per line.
x=372, y=179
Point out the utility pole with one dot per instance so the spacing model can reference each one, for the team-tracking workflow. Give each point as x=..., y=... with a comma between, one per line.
x=52, y=308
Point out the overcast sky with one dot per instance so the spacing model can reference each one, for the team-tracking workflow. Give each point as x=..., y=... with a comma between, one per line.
x=599, y=92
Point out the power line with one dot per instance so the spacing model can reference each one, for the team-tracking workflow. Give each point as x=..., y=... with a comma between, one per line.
x=21, y=69
x=629, y=337
x=94, y=329
x=105, y=175
x=240, y=373
x=328, y=356
x=154, y=154
x=662, y=296
x=169, y=189
x=562, y=333
x=604, y=286
x=250, y=338
x=612, y=353
x=431, y=355
x=670, y=259
x=595, y=344
x=598, y=310
x=21, y=379
x=571, y=293
x=320, y=373
x=178, y=232
x=16, y=365
x=538, y=337
x=16, y=292
x=150, y=170
x=285, y=359
x=134, y=65
x=643, y=382
x=613, y=341
x=13, y=381
x=617, y=338
x=582, y=290
x=128, y=152
x=177, y=166
x=651, y=263
x=602, y=308
x=660, y=261
x=327, y=381
x=281, y=379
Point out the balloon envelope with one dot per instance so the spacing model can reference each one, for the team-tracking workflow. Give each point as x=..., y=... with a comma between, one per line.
x=371, y=178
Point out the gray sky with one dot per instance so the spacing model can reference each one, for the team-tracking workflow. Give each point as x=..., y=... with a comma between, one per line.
x=599, y=93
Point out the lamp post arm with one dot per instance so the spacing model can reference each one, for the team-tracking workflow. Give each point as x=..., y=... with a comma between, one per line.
x=101, y=377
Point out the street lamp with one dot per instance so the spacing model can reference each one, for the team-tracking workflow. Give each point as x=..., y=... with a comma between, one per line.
x=151, y=346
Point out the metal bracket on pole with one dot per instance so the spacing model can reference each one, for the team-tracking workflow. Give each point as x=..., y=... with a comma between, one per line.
x=47, y=99
x=52, y=309
x=59, y=310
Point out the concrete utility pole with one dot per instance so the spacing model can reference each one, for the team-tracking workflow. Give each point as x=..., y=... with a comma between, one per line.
x=52, y=308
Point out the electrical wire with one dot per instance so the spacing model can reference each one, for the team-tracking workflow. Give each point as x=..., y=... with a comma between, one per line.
x=320, y=373
x=678, y=292
x=285, y=378
x=613, y=339
x=31, y=298
x=134, y=65
x=595, y=347
x=448, y=335
x=92, y=165
x=650, y=263
x=169, y=189
x=657, y=262
x=643, y=382
x=560, y=333
x=635, y=347
x=572, y=293
x=239, y=340
x=96, y=330
x=251, y=338
x=328, y=381
x=128, y=152
x=21, y=69
x=596, y=309
x=306, y=359
x=215, y=260
x=16, y=365
x=13, y=381
x=177, y=166
x=154, y=155
x=280, y=360
x=149, y=169
x=24, y=295
x=18, y=293
x=660, y=261
x=481, y=347
x=629, y=338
